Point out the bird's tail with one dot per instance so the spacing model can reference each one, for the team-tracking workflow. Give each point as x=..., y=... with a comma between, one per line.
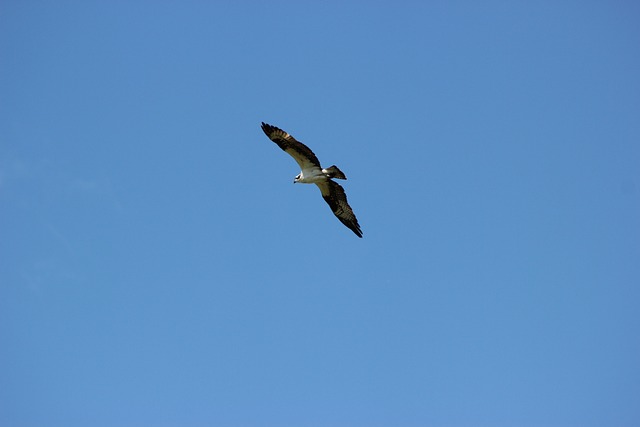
x=334, y=172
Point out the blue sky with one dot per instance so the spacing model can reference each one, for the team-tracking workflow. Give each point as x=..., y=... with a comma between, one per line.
x=159, y=268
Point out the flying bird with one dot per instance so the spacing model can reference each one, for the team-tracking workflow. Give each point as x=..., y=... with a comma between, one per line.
x=312, y=173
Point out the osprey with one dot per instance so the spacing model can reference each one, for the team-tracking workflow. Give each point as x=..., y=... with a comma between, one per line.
x=312, y=173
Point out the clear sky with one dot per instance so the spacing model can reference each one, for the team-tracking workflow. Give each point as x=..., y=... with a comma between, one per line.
x=159, y=268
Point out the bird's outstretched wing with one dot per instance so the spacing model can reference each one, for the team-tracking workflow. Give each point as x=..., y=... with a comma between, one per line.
x=296, y=149
x=336, y=198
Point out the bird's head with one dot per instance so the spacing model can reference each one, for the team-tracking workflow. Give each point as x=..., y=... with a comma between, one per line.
x=297, y=178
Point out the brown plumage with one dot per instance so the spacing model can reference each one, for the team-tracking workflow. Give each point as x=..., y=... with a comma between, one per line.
x=312, y=173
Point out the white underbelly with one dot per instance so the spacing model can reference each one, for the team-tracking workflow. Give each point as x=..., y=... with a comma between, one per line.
x=312, y=176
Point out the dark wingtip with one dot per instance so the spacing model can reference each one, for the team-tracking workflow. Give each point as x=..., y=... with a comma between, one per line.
x=267, y=129
x=355, y=227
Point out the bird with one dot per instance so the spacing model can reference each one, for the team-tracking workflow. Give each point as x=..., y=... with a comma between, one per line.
x=312, y=173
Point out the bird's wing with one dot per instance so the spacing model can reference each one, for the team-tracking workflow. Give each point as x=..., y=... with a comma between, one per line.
x=296, y=149
x=334, y=195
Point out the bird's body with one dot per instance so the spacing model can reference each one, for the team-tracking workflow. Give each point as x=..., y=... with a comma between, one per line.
x=311, y=176
x=315, y=174
x=312, y=173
